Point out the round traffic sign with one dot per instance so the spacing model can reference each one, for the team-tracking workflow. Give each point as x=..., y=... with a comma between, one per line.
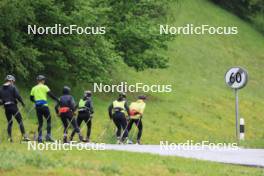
x=236, y=77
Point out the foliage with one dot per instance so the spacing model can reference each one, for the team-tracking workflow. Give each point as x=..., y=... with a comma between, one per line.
x=252, y=10
x=130, y=36
x=134, y=30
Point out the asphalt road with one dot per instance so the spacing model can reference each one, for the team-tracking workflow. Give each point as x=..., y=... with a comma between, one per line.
x=248, y=157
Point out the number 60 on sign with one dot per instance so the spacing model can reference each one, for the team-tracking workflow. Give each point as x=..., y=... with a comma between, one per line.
x=236, y=77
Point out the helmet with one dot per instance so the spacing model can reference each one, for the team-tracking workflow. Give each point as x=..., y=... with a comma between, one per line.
x=122, y=95
x=66, y=90
x=10, y=78
x=87, y=93
x=142, y=97
x=41, y=78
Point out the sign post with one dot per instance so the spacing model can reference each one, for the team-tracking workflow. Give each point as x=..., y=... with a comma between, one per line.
x=237, y=113
x=236, y=78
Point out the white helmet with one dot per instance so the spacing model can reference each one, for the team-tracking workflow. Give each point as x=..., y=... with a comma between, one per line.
x=10, y=78
x=87, y=93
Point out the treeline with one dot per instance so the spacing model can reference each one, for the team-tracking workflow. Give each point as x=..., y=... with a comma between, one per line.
x=131, y=37
x=251, y=10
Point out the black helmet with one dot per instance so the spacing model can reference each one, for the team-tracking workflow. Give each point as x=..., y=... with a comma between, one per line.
x=87, y=93
x=66, y=90
x=10, y=78
x=41, y=78
x=142, y=97
x=122, y=95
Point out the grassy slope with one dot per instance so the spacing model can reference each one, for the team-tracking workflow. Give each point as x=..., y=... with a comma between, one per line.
x=108, y=163
x=199, y=108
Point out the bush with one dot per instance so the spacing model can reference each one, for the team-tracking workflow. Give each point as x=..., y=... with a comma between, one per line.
x=251, y=10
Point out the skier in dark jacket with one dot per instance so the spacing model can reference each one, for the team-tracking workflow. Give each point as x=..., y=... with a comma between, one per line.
x=65, y=109
x=9, y=97
x=117, y=112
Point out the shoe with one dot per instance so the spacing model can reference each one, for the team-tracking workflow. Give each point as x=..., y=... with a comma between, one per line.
x=87, y=140
x=71, y=138
x=49, y=139
x=138, y=142
x=118, y=140
x=123, y=141
x=25, y=139
x=40, y=139
x=65, y=140
x=81, y=139
x=129, y=142
x=10, y=140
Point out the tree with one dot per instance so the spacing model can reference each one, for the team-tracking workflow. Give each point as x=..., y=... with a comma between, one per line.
x=133, y=28
x=131, y=36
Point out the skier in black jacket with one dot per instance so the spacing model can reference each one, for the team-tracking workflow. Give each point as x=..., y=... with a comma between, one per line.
x=9, y=97
x=65, y=109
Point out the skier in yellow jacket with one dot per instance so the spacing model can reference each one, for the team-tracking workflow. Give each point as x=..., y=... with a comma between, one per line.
x=117, y=112
x=136, y=110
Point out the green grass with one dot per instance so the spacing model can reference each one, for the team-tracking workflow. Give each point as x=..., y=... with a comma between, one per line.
x=17, y=160
x=200, y=107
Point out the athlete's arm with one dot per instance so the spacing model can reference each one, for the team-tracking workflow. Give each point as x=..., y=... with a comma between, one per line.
x=1, y=100
x=110, y=108
x=18, y=97
x=73, y=105
x=32, y=98
x=89, y=104
x=126, y=107
x=51, y=95
x=142, y=111
x=57, y=108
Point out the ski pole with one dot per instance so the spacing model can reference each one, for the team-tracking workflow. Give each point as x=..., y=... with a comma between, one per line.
x=27, y=117
x=125, y=129
x=103, y=132
x=137, y=128
x=87, y=121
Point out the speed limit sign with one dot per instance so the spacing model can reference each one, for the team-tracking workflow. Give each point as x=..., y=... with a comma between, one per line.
x=236, y=77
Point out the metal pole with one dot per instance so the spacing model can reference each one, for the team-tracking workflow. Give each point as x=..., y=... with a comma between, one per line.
x=237, y=114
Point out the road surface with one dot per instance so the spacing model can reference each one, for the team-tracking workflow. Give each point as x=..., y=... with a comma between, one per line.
x=247, y=157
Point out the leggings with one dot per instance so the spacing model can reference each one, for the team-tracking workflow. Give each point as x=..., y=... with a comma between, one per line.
x=121, y=123
x=43, y=111
x=139, y=125
x=84, y=116
x=10, y=111
x=67, y=118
